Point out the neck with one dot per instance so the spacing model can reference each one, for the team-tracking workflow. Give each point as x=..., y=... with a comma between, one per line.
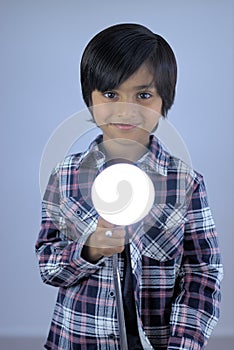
x=123, y=151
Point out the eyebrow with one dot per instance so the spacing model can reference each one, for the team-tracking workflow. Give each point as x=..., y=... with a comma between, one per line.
x=145, y=86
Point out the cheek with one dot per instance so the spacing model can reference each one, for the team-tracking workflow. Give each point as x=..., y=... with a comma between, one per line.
x=152, y=117
x=102, y=113
x=158, y=105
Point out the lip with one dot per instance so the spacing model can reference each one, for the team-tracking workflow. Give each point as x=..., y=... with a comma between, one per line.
x=124, y=126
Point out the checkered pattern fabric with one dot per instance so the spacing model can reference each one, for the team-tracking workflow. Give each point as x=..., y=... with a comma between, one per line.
x=174, y=255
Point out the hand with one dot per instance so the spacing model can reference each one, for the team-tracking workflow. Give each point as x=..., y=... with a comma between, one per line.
x=99, y=245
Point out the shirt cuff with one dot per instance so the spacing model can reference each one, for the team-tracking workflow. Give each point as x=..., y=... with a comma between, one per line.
x=81, y=262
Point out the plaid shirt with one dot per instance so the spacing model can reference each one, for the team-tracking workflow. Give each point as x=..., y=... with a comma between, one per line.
x=174, y=253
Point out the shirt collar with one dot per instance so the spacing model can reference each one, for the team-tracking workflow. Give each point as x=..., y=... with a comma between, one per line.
x=93, y=156
x=156, y=159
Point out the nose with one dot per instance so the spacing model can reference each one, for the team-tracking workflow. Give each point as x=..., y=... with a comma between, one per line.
x=126, y=109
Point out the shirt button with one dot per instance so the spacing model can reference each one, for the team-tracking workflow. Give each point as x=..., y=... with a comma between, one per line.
x=112, y=336
x=112, y=294
x=78, y=212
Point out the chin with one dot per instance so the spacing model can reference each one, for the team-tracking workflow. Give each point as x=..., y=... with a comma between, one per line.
x=124, y=141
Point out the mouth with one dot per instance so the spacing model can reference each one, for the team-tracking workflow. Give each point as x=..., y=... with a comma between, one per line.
x=124, y=126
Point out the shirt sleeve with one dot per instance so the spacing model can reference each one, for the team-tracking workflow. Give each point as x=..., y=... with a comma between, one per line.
x=59, y=255
x=195, y=310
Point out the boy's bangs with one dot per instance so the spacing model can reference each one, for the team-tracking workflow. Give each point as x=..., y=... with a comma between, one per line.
x=112, y=70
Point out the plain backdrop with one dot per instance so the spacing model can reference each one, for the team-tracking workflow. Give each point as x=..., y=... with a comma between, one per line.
x=41, y=43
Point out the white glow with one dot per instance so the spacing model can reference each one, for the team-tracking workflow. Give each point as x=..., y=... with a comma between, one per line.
x=128, y=203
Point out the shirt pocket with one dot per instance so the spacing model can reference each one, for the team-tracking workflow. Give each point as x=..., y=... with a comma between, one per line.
x=164, y=232
x=79, y=218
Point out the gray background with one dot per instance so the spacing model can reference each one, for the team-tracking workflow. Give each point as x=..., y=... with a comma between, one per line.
x=41, y=44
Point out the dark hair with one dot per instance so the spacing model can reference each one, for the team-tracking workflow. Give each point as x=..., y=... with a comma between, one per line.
x=115, y=53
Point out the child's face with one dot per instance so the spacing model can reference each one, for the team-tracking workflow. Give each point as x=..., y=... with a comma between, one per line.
x=131, y=111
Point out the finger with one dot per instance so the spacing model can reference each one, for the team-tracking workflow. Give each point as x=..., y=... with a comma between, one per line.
x=113, y=243
x=106, y=224
x=112, y=238
x=111, y=251
x=115, y=233
x=103, y=223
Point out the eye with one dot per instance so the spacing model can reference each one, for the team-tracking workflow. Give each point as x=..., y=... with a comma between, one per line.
x=144, y=95
x=110, y=94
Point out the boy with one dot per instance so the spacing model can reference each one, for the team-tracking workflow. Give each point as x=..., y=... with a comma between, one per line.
x=170, y=269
